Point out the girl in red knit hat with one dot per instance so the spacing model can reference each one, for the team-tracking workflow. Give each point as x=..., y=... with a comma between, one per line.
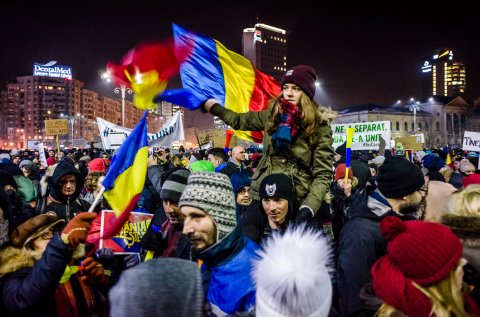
x=422, y=273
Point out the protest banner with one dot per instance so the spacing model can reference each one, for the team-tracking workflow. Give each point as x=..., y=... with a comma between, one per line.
x=113, y=135
x=471, y=141
x=128, y=239
x=367, y=135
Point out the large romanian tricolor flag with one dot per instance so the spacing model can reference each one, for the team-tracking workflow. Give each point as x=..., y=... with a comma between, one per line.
x=127, y=173
x=213, y=71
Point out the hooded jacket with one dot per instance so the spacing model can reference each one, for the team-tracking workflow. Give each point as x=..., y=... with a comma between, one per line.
x=226, y=275
x=30, y=283
x=66, y=207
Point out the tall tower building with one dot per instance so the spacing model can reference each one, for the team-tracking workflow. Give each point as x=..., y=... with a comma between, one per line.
x=266, y=47
x=442, y=75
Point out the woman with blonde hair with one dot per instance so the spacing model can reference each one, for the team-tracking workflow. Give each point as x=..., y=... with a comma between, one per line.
x=422, y=273
x=297, y=139
x=463, y=218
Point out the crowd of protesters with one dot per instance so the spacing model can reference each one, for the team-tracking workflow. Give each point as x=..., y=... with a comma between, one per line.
x=253, y=233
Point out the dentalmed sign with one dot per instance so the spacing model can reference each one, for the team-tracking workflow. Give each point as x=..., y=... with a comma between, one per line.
x=366, y=137
x=50, y=69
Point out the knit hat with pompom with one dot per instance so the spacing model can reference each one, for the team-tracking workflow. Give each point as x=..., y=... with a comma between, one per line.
x=417, y=251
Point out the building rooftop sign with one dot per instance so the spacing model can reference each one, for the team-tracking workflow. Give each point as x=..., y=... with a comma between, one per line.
x=50, y=69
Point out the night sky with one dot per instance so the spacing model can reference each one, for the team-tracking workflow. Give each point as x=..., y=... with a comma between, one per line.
x=365, y=57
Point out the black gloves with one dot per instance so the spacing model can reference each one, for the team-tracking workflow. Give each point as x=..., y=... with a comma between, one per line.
x=153, y=240
x=304, y=215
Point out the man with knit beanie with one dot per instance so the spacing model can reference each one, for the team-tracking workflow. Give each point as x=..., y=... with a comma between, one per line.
x=167, y=240
x=398, y=193
x=208, y=205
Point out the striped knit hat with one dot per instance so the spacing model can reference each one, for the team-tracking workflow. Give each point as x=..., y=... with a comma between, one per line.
x=174, y=185
x=212, y=193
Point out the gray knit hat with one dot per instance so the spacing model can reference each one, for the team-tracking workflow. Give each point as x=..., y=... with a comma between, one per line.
x=174, y=185
x=159, y=287
x=27, y=163
x=213, y=193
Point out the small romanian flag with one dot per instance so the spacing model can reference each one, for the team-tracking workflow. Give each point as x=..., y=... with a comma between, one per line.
x=128, y=170
x=448, y=159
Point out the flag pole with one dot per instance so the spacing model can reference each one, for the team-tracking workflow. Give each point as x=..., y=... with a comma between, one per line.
x=97, y=199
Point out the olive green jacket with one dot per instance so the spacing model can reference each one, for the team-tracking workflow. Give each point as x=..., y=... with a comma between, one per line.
x=309, y=167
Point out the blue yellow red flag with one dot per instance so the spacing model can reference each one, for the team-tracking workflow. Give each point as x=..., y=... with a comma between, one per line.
x=213, y=71
x=448, y=159
x=128, y=170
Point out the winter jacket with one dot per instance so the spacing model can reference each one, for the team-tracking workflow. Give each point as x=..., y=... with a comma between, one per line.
x=226, y=277
x=309, y=166
x=361, y=245
x=65, y=207
x=30, y=287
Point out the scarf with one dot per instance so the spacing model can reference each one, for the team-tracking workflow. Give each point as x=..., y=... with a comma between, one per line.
x=289, y=123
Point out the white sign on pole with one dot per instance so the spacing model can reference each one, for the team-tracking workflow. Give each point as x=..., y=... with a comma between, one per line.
x=367, y=134
x=113, y=135
x=471, y=141
x=41, y=154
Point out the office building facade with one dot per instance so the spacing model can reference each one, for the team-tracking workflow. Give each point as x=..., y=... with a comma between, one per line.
x=266, y=47
x=442, y=75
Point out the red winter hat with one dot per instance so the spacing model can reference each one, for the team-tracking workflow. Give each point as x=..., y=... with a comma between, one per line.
x=470, y=179
x=51, y=161
x=417, y=251
x=304, y=77
x=97, y=165
x=340, y=172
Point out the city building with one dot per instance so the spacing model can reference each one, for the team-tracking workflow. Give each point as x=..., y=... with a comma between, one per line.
x=266, y=47
x=442, y=75
x=441, y=120
x=27, y=103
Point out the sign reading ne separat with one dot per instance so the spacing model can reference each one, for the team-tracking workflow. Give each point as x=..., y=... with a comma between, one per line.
x=367, y=134
x=56, y=127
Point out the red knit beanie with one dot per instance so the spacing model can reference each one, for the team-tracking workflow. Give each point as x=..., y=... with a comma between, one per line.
x=97, y=165
x=304, y=77
x=340, y=172
x=470, y=179
x=420, y=252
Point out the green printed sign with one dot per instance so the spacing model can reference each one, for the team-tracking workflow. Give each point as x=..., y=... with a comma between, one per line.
x=367, y=134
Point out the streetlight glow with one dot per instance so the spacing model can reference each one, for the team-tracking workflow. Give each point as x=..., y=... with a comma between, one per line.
x=414, y=106
x=119, y=90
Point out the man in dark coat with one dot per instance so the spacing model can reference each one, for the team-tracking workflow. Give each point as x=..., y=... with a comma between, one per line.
x=361, y=243
x=64, y=199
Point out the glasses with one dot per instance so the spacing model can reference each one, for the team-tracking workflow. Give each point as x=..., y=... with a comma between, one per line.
x=47, y=234
x=423, y=191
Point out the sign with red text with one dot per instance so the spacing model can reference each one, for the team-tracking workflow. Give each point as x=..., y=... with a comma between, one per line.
x=128, y=239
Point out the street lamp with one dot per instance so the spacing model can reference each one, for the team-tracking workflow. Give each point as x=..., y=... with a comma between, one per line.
x=71, y=119
x=119, y=90
x=414, y=106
